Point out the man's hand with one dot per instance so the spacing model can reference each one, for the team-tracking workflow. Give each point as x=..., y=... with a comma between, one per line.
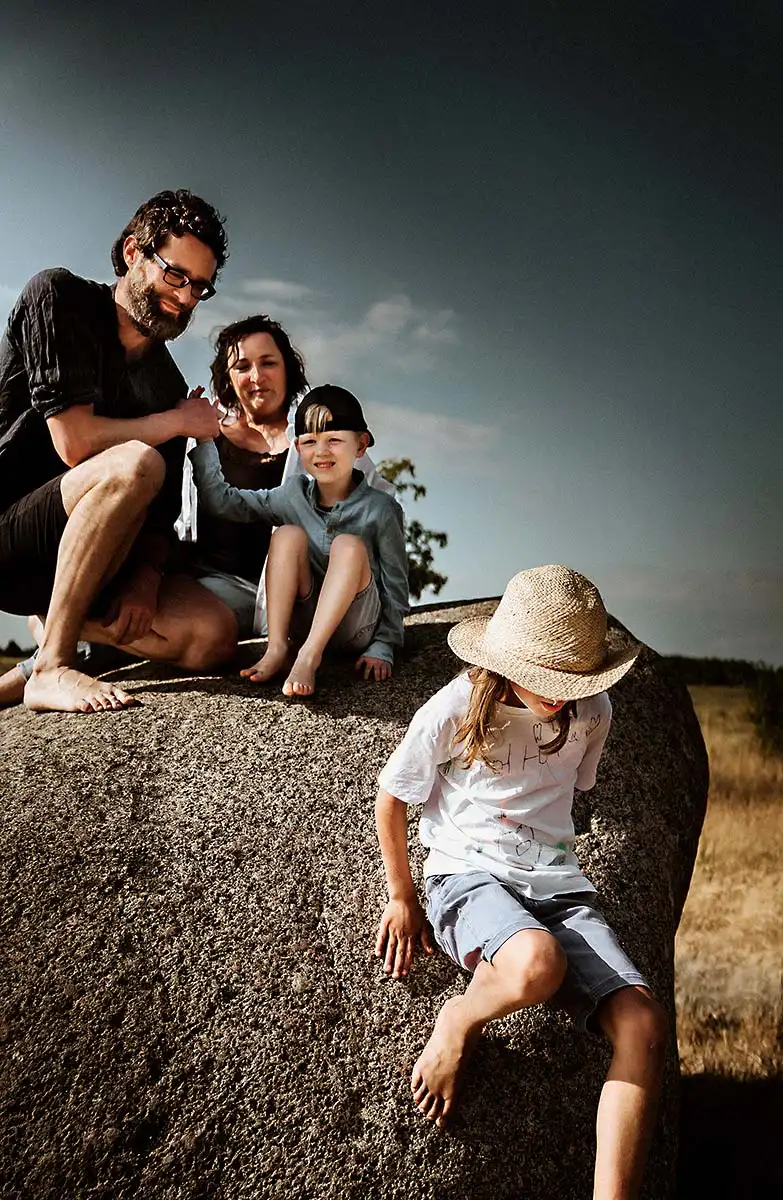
x=374, y=668
x=402, y=922
x=131, y=613
x=199, y=416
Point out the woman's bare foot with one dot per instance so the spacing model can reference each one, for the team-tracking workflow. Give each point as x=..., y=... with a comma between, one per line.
x=435, y=1077
x=64, y=689
x=12, y=685
x=270, y=664
x=301, y=678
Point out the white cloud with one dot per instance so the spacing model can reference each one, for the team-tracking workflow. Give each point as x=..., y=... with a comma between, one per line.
x=393, y=332
x=449, y=437
x=446, y=450
x=276, y=290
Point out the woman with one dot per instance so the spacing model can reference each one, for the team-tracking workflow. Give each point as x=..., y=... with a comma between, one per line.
x=256, y=375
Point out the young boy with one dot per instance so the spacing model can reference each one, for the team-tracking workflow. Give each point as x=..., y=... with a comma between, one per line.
x=337, y=570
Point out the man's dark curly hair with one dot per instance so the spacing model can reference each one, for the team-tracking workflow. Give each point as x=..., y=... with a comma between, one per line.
x=226, y=344
x=174, y=214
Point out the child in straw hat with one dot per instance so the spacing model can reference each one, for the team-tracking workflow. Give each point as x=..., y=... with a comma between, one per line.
x=494, y=757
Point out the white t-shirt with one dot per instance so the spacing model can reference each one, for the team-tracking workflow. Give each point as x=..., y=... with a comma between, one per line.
x=515, y=822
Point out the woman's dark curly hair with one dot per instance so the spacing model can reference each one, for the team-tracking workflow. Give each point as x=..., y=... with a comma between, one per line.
x=172, y=214
x=226, y=347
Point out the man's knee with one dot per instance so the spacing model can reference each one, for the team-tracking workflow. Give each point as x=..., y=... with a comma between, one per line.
x=137, y=469
x=142, y=467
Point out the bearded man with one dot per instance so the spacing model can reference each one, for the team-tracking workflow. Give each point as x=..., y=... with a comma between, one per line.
x=93, y=417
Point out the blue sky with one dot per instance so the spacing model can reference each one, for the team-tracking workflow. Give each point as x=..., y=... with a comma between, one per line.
x=541, y=242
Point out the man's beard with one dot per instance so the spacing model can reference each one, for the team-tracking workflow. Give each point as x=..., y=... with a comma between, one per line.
x=144, y=310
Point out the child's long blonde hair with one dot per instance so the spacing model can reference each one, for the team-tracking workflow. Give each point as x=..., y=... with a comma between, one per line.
x=477, y=732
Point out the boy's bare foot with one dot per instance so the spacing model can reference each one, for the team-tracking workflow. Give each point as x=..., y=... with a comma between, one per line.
x=64, y=689
x=269, y=665
x=12, y=685
x=435, y=1077
x=301, y=679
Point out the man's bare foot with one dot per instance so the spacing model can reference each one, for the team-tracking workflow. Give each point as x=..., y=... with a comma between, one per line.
x=435, y=1077
x=301, y=679
x=64, y=689
x=12, y=685
x=270, y=664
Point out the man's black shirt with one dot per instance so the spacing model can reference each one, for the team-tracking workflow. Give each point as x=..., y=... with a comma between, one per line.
x=61, y=347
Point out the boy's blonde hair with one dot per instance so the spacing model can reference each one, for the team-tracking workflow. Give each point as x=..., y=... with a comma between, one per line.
x=317, y=417
x=477, y=732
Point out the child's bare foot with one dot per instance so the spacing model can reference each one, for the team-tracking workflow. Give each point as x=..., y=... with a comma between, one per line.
x=435, y=1077
x=64, y=689
x=269, y=665
x=301, y=679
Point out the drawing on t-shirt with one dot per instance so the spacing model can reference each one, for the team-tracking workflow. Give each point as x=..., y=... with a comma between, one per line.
x=503, y=764
x=538, y=738
x=517, y=841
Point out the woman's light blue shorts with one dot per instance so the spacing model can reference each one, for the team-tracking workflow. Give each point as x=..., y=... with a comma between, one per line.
x=474, y=914
x=239, y=594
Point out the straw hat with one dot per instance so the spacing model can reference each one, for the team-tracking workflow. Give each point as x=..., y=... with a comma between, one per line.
x=548, y=635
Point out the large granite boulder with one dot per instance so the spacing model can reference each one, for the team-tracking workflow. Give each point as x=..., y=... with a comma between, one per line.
x=191, y=1007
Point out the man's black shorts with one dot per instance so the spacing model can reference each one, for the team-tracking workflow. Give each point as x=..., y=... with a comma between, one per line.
x=30, y=533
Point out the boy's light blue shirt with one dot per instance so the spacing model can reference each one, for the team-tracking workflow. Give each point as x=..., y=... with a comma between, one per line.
x=367, y=513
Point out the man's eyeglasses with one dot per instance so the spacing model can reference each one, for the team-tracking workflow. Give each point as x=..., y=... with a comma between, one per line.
x=200, y=289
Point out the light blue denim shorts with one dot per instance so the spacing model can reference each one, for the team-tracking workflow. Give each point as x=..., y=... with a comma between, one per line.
x=474, y=914
x=357, y=628
x=239, y=594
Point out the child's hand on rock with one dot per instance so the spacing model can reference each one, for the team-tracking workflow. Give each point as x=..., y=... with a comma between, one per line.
x=402, y=922
x=374, y=668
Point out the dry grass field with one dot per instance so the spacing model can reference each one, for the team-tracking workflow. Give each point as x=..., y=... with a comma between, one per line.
x=730, y=966
x=730, y=943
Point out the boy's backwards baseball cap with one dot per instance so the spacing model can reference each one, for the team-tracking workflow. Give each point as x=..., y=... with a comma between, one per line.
x=345, y=409
x=548, y=634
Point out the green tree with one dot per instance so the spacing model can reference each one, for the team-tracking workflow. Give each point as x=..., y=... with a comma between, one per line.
x=419, y=541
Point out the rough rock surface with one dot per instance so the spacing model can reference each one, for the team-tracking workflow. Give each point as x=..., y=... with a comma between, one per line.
x=190, y=1002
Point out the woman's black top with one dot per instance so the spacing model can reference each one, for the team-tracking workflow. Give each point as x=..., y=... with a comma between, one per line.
x=229, y=546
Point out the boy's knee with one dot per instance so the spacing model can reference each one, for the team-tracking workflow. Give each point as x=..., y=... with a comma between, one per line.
x=348, y=544
x=289, y=536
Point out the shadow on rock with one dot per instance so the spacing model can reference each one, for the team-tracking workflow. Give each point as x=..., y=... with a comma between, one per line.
x=730, y=1137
